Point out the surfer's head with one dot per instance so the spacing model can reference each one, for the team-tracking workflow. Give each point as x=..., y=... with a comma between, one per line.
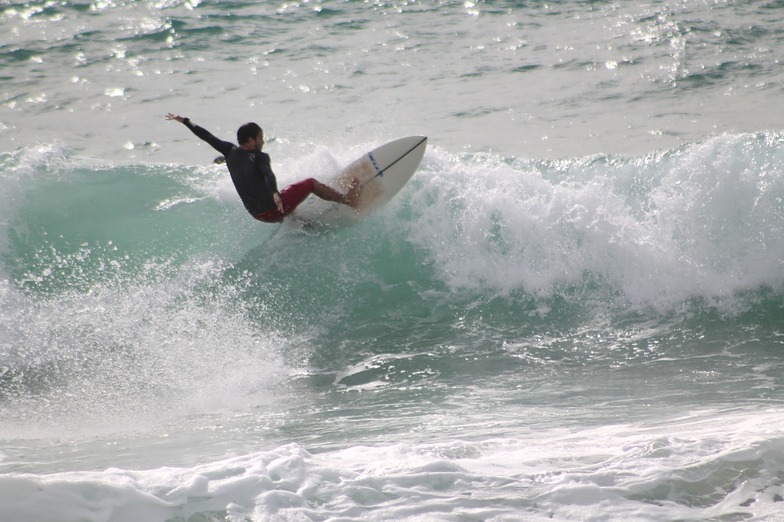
x=248, y=133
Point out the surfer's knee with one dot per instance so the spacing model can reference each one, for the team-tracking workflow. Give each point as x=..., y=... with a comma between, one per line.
x=320, y=189
x=330, y=194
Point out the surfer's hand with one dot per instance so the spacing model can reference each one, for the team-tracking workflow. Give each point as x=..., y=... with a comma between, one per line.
x=171, y=116
x=278, y=202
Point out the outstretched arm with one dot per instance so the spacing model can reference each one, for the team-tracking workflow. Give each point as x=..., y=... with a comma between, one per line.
x=224, y=147
x=171, y=116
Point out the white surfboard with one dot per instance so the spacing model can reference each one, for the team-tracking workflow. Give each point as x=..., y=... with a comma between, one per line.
x=382, y=172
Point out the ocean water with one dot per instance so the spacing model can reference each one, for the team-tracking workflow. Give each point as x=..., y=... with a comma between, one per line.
x=574, y=311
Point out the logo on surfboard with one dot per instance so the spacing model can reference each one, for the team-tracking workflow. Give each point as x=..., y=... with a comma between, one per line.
x=379, y=172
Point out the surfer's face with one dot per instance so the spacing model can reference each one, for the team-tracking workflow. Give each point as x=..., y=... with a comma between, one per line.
x=259, y=140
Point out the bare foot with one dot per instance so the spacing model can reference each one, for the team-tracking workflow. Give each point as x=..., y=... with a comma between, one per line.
x=353, y=193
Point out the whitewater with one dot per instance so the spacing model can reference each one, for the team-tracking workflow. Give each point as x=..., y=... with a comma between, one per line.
x=573, y=311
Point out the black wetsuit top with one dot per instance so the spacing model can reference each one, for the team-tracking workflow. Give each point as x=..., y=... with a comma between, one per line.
x=250, y=171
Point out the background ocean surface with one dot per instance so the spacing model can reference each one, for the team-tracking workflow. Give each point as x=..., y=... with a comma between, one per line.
x=574, y=311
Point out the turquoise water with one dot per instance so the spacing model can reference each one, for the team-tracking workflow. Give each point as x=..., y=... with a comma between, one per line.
x=572, y=312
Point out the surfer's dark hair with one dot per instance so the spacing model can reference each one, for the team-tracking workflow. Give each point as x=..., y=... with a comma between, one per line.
x=247, y=131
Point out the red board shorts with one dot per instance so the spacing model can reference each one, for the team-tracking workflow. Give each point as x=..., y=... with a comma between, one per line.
x=292, y=196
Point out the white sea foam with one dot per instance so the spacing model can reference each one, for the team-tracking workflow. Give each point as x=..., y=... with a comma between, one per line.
x=694, y=471
x=698, y=222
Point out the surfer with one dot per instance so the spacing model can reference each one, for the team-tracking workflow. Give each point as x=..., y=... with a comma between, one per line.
x=254, y=180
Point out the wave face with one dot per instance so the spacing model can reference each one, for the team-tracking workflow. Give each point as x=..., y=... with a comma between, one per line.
x=140, y=300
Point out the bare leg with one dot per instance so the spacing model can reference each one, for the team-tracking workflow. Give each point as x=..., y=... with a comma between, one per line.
x=326, y=192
